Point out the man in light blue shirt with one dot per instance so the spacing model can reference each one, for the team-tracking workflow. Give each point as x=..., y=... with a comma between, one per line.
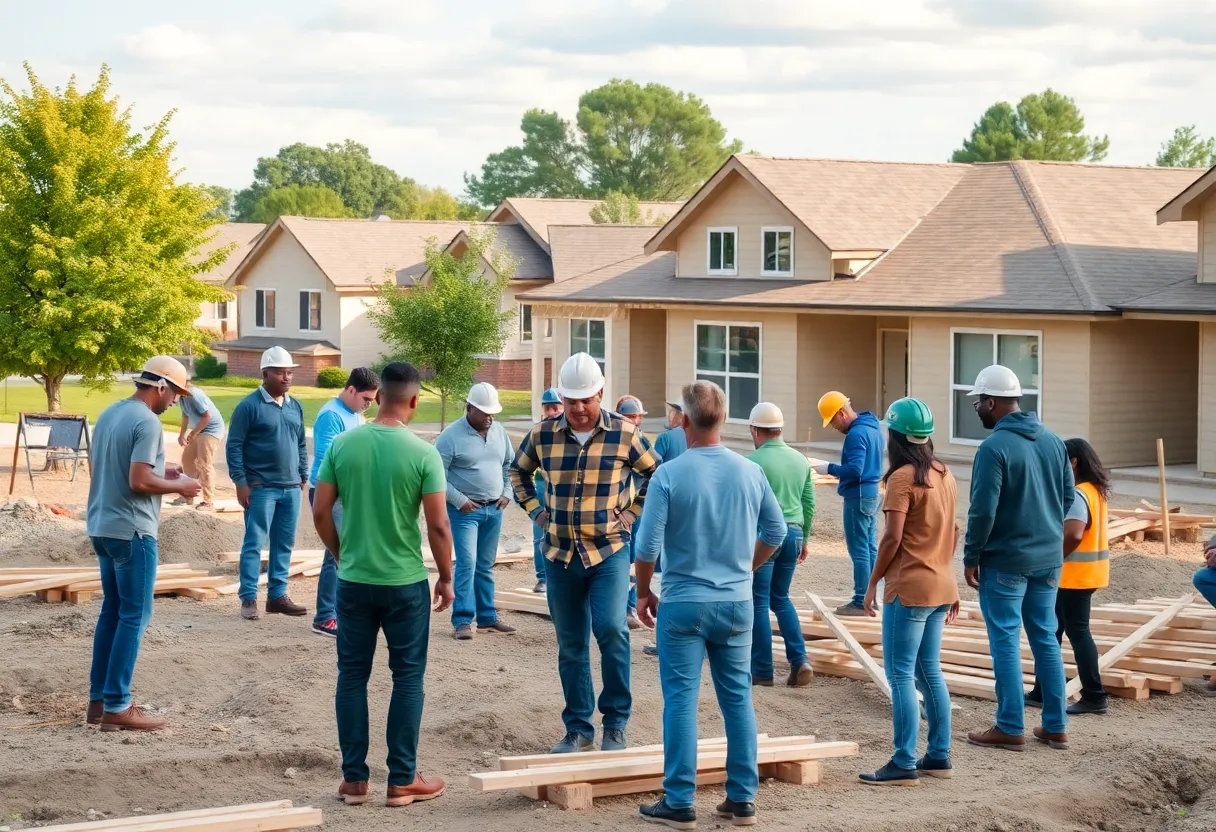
x=703, y=510
x=336, y=416
x=477, y=456
x=201, y=433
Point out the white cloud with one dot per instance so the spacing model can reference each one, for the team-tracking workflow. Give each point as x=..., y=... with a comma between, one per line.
x=166, y=42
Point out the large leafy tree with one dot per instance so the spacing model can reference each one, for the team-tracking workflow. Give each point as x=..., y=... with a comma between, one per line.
x=548, y=163
x=223, y=201
x=98, y=241
x=623, y=209
x=452, y=316
x=298, y=201
x=1044, y=125
x=1187, y=149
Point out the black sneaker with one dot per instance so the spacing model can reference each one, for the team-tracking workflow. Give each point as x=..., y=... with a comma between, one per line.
x=740, y=814
x=931, y=767
x=891, y=775
x=660, y=812
x=614, y=740
x=572, y=743
x=1033, y=700
x=651, y=650
x=1087, y=706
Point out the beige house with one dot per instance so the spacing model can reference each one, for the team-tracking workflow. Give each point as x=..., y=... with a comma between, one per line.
x=220, y=316
x=784, y=278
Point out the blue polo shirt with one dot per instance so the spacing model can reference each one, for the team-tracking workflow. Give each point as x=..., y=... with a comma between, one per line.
x=334, y=418
x=266, y=444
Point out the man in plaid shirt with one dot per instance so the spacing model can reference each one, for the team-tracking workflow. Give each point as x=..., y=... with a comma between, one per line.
x=586, y=457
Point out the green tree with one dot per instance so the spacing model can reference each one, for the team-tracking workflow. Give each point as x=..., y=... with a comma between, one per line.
x=454, y=315
x=549, y=163
x=624, y=209
x=97, y=238
x=1044, y=125
x=1187, y=149
x=298, y=201
x=223, y=201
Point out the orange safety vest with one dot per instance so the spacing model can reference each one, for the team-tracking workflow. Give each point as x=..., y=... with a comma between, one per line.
x=1089, y=566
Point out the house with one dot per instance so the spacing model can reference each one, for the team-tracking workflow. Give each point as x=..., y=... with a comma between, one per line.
x=220, y=316
x=784, y=278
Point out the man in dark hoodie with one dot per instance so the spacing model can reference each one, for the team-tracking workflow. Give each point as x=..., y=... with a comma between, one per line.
x=859, y=471
x=1021, y=489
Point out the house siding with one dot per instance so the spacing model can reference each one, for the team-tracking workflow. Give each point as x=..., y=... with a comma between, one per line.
x=287, y=268
x=648, y=357
x=835, y=352
x=360, y=340
x=740, y=204
x=1206, y=428
x=513, y=349
x=1207, y=242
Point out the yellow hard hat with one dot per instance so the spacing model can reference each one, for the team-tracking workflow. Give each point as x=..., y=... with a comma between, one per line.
x=830, y=404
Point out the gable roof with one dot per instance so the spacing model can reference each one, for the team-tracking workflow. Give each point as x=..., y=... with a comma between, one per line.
x=244, y=234
x=578, y=249
x=530, y=262
x=1185, y=205
x=537, y=214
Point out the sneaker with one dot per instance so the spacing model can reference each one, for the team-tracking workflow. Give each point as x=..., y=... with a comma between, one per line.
x=614, y=740
x=850, y=610
x=651, y=650
x=249, y=610
x=996, y=738
x=1034, y=700
x=181, y=501
x=740, y=814
x=326, y=628
x=801, y=675
x=632, y=620
x=95, y=712
x=498, y=626
x=353, y=793
x=540, y=588
x=423, y=788
x=204, y=506
x=1057, y=741
x=572, y=743
x=132, y=719
x=1086, y=707
x=935, y=768
x=757, y=682
x=284, y=606
x=463, y=633
x=891, y=775
x=660, y=813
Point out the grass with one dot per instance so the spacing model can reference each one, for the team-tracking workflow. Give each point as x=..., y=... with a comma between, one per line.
x=29, y=398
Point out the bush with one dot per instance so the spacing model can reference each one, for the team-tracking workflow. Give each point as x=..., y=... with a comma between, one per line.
x=207, y=367
x=332, y=378
x=242, y=381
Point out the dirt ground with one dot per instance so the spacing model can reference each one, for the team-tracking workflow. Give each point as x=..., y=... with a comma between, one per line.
x=251, y=706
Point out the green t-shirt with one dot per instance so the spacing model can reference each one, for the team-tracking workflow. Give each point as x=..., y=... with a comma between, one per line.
x=381, y=474
x=789, y=474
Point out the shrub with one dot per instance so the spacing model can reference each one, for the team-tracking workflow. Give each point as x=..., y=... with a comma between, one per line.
x=206, y=366
x=332, y=378
x=242, y=381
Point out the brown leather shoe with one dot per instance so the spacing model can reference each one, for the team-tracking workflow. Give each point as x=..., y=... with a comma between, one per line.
x=284, y=606
x=95, y=712
x=1057, y=741
x=353, y=793
x=132, y=719
x=423, y=788
x=800, y=676
x=996, y=738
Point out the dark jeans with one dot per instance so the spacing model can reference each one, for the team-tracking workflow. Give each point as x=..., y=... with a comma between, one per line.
x=327, y=584
x=404, y=614
x=771, y=590
x=128, y=571
x=1072, y=610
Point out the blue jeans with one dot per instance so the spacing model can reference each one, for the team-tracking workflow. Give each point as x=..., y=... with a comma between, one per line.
x=1205, y=583
x=686, y=633
x=538, y=539
x=861, y=539
x=404, y=614
x=128, y=571
x=272, y=516
x=327, y=584
x=585, y=600
x=475, y=546
x=911, y=655
x=1009, y=602
x=771, y=590
x=631, y=603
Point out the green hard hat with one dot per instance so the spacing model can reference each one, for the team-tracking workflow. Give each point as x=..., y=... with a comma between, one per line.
x=911, y=417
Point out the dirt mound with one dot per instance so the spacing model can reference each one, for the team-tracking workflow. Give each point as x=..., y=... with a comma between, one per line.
x=1134, y=575
x=74, y=624
x=481, y=731
x=33, y=534
x=197, y=537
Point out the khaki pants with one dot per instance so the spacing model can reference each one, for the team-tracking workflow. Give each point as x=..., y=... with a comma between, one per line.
x=198, y=458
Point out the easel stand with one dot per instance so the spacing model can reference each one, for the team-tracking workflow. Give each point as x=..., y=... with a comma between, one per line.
x=66, y=434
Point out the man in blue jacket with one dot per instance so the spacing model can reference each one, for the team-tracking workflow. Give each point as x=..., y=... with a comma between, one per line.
x=1021, y=490
x=859, y=472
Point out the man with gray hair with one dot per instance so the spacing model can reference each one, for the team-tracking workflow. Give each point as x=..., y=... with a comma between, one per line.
x=703, y=511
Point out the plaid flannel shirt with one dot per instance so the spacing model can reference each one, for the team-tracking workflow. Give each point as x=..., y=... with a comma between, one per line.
x=587, y=487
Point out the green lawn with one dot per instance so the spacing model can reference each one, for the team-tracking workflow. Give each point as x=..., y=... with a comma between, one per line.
x=29, y=398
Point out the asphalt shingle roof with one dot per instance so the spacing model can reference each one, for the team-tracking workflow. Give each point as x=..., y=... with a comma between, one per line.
x=578, y=249
x=243, y=234
x=539, y=213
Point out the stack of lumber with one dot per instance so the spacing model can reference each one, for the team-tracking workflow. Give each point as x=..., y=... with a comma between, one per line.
x=277, y=816
x=76, y=585
x=521, y=600
x=573, y=780
x=1139, y=523
x=1152, y=645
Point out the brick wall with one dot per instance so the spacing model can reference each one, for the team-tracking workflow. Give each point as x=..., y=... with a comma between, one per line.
x=513, y=374
x=248, y=363
x=244, y=363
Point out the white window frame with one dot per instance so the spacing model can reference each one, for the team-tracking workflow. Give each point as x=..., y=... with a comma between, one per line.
x=531, y=324
x=607, y=339
x=759, y=375
x=256, y=293
x=722, y=229
x=777, y=229
x=320, y=320
x=995, y=333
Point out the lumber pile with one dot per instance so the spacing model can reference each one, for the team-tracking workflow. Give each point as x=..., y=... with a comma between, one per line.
x=1140, y=523
x=77, y=585
x=572, y=781
x=276, y=816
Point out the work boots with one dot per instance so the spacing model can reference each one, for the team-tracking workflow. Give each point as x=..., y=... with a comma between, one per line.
x=284, y=606
x=996, y=738
x=132, y=719
x=1057, y=741
x=423, y=788
x=801, y=675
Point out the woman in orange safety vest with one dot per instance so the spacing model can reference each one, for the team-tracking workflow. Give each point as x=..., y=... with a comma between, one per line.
x=1086, y=570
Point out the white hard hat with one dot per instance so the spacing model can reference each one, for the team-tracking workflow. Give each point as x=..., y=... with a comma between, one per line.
x=484, y=397
x=277, y=357
x=766, y=415
x=997, y=381
x=580, y=377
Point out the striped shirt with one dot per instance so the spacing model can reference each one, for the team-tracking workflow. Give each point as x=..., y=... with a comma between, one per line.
x=587, y=486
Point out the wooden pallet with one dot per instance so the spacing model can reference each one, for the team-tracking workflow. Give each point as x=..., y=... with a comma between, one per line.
x=1140, y=523
x=75, y=585
x=276, y=816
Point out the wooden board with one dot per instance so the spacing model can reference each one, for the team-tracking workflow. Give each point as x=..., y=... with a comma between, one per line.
x=118, y=823
x=1123, y=648
x=54, y=582
x=846, y=638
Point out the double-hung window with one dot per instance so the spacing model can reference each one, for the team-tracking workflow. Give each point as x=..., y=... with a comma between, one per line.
x=590, y=335
x=778, y=252
x=263, y=314
x=729, y=356
x=974, y=349
x=723, y=251
x=310, y=311
x=525, y=323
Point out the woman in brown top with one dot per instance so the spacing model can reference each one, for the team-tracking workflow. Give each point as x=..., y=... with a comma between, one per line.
x=916, y=556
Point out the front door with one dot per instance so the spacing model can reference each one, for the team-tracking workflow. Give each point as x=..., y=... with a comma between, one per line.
x=894, y=366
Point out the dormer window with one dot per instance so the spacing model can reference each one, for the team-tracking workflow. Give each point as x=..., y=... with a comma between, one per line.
x=778, y=252
x=723, y=248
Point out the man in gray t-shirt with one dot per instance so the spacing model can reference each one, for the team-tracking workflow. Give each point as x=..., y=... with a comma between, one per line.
x=122, y=520
x=201, y=433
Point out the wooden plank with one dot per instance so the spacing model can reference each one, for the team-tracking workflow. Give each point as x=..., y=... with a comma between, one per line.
x=570, y=795
x=541, y=760
x=270, y=820
x=846, y=638
x=197, y=594
x=55, y=582
x=1124, y=647
x=118, y=823
x=801, y=773
x=1165, y=507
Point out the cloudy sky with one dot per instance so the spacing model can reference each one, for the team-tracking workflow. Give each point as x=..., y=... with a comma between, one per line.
x=432, y=86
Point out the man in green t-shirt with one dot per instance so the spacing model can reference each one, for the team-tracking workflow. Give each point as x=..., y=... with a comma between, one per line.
x=382, y=473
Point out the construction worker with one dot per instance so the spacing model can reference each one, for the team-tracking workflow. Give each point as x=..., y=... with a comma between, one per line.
x=1205, y=584
x=672, y=442
x=338, y=415
x=789, y=475
x=477, y=455
x=705, y=511
x=202, y=431
x=859, y=472
x=630, y=407
x=268, y=462
x=588, y=456
x=1021, y=491
x=916, y=558
x=122, y=521
x=1086, y=570
x=550, y=408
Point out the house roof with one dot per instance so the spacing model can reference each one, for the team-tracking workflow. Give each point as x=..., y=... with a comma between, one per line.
x=578, y=249
x=295, y=346
x=532, y=263
x=244, y=234
x=1185, y=206
x=537, y=214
